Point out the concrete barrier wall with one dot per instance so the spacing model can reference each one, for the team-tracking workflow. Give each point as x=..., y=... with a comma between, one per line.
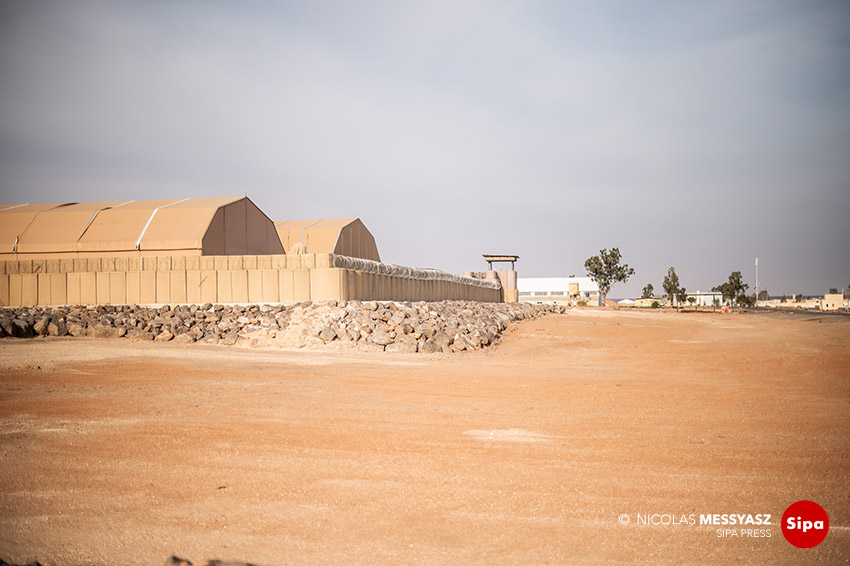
x=218, y=279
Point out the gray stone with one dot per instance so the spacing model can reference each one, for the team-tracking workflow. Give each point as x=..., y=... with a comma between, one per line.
x=22, y=329
x=57, y=328
x=104, y=331
x=426, y=330
x=76, y=329
x=380, y=337
x=327, y=334
x=164, y=336
x=7, y=325
x=463, y=342
x=403, y=344
x=443, y=340
x=138, y=335
x=40, y=326
x=230, y=339
x=185, y=338
x=210, y=338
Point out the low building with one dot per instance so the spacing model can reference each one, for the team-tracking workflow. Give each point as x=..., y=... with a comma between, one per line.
x=708, y=299
x=833, y=302
x=565, y=291
x=647, y=302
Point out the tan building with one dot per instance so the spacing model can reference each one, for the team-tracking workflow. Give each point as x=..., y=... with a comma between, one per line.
x=188, y=227
x=833, y=302
x=559, y=291
x=339, y=236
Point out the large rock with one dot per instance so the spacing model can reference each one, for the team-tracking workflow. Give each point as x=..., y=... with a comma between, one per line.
x=164, y=336
x=57, y=328
x=230, y=339
x=430, y=346
x=40, y=326
x=22, y=329
x=184, y=338
x=105, y=331
x=76, y=329
x=380, y=337
x=7, y=326
x=443, y=340
x=404, y=344
x=327, y=334
x=139, y=335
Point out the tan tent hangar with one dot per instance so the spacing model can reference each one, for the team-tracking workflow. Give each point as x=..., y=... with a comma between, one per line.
x=340, y=236
x=192, y=226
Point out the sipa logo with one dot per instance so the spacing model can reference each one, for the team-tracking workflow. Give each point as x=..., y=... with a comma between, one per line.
x=805, y=524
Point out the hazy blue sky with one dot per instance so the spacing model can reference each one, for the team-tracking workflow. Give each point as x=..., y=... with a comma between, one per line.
x=693, y=134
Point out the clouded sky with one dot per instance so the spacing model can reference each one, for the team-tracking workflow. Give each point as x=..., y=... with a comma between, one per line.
x=692, y=134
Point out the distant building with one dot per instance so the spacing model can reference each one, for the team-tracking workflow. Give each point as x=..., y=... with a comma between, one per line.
x=704, y=299
x=645, y=303
x=833, y=302
x=559, y=291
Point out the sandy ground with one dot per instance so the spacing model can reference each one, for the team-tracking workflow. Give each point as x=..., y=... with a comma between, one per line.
x=527, y=453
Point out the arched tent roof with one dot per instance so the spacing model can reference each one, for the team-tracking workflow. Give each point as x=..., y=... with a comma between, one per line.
x=206, y=226
x=340, y=236
x=14, y=220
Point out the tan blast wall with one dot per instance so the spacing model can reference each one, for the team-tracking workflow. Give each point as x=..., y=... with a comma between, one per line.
x=224, y=279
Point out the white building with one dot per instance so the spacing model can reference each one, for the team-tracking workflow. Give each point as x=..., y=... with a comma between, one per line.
x=703, y=299
x=558, y=291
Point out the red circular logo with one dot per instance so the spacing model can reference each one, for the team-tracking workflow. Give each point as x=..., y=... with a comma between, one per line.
x=805, y=524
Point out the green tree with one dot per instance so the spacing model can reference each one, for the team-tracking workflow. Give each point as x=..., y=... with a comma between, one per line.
x=672, y=288
x=648, y=292
x=692, y=300
x=605, y=270
x=764, y=295
x=734, y=289
x=784, y=299
x=681, y=297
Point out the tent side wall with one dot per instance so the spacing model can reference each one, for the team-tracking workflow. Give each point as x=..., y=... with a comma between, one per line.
x=261, y=233
x=355, y=240
x=213, y=240
x=241, y=228
x=343, y=236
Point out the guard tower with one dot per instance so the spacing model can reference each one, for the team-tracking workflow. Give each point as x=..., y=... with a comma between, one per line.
x=506, y=277
x=491, y=259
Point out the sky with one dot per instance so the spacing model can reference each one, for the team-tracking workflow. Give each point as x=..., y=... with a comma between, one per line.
x=698, y=135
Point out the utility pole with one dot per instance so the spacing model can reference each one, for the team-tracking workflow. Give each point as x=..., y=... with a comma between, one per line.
x=757, y=281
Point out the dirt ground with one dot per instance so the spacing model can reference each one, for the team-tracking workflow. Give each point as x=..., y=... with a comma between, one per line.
x=527, y=453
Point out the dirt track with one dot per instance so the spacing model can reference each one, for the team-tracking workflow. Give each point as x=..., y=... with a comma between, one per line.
x=126, y=453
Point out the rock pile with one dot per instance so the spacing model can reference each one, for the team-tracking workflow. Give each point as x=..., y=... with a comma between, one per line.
x=448, y=326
